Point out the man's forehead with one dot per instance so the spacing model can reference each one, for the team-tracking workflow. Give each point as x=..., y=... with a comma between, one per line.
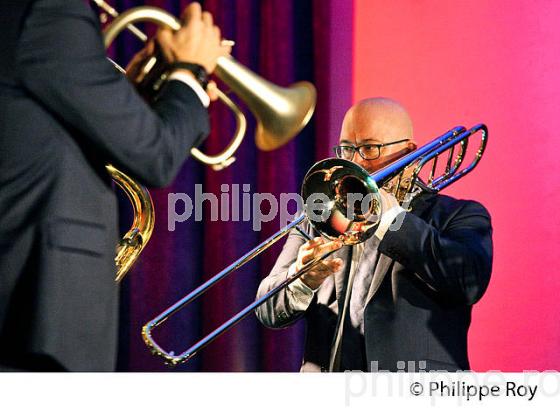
x=358, y=128
x=358, y=139
x=372, y=130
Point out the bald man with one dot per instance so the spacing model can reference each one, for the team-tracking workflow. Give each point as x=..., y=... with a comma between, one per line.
x=402, y=300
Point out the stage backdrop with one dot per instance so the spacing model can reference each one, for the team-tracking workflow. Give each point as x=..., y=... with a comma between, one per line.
x=284, y=41
x=463, y=62
x=449, y=63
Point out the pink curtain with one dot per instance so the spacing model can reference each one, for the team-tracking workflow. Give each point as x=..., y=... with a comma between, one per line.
x=284, y=41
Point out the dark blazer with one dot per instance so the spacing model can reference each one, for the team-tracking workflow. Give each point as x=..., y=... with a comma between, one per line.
x=428, y=275
x=64, y=113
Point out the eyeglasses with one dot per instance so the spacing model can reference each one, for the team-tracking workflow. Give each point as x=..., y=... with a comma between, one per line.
x=366, y=151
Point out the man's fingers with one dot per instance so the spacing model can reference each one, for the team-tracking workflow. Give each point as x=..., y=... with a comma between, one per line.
x=326, y=268
x=207, y=19
x=192, y=12
x=329, y=265
x=312, y=243
x=319, y=251
x=333, y=265
x=226, y=51
x=306, y=256
x=318, y=247
x=211, y=90
x=217, y=33
x=325, y=248
x=150, y=47
x=164, y=37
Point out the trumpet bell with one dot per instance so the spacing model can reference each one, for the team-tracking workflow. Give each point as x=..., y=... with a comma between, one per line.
x=287, y=116
x=281, y=112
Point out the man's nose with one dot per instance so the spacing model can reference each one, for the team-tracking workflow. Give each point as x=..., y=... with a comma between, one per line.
x=359, y=160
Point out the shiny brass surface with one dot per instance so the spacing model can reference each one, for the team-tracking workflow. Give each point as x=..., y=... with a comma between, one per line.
x=335, y=178
x=134, y=241
x=280, y=113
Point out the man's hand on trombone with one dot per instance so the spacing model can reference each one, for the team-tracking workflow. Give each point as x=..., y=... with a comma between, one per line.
x=315, y=249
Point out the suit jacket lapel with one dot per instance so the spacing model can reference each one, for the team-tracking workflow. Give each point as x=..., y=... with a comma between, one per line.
x=384, y=263
x=381, y=262
x=371, y=260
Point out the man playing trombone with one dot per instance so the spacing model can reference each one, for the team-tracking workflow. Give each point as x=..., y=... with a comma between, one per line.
x=401, y=300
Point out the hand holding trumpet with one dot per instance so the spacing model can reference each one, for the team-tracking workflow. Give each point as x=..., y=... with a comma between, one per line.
x=197, y=41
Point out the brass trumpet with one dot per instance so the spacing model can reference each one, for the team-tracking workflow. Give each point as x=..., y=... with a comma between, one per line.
x=336, y=178
x=280, y=114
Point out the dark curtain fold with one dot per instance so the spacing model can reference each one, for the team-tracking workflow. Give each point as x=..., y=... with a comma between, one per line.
x=284, y=41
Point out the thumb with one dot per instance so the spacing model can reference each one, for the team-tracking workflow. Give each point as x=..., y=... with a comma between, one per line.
x=164, y=37
x=212, y=91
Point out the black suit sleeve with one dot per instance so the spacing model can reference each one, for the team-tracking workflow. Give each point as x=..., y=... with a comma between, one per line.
x=455, y=260
x=61, y=63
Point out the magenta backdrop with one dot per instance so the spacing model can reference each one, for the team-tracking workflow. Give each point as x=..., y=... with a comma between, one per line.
x=450, y=63
x=462, y=62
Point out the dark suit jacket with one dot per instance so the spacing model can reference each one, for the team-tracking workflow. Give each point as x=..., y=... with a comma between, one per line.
x=429, y=274
x=66, y=112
